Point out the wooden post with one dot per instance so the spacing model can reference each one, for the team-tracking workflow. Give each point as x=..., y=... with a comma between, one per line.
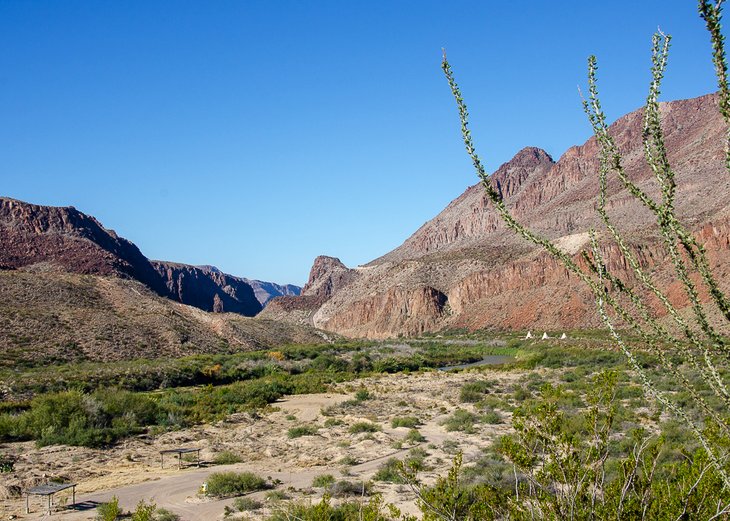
x=179, y=461
x=73, y=496
x=49, y=503
x=27, y=506
x=162, y=460
x=198, y=458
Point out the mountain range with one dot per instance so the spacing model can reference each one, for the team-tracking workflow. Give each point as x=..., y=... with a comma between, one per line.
x=465, y=269
x=461, y=269
x=74, y=290
x=47, y=238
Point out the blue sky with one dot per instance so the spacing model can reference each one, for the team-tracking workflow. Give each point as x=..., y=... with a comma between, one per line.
x=256, y=135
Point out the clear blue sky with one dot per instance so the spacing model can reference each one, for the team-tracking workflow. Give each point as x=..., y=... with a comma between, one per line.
x=256, y=135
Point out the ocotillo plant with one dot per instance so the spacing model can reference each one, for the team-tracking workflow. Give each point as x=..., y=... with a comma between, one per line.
x=689, y=345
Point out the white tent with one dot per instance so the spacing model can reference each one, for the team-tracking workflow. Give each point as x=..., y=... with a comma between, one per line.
x=563, y=336
x=545, y=336
x=529, y=335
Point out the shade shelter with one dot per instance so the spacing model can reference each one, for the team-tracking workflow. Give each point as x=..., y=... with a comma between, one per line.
x=48, y=490
x=179, y=451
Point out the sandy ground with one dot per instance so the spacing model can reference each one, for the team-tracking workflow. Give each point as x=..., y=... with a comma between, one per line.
x=131, y=470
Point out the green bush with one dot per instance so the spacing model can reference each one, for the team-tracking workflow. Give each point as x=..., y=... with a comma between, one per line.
x=473, y=392
x=109, y=511
x=333, y=422
x=349, y=461
x=390, y=472
x=362, y=394
x=461, y=420
x=227, y=457
x=491, y=418
x=228, y=484
x=302, y=430
x=165, y=515
x=323, y=481
x=74, y=418
x=244, y=504
x=359, y=427
x=7, y=463
x=344, y=488
x=414, y=436
x=405, y=421
x=144, y=511
x=373, y=510
x=276, y=495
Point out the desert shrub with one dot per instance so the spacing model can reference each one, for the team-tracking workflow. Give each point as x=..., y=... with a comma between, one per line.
x=349, y=461
x=333, y=422
x=227, y=457
x=7, y=463
x=360, y=363
x=494, y=402
x=390, y=472
x=276, y=495
x=328, y=362
x=450, y=447
x=569, y=376
x=244, y=504
x=414, y=436
x=399, y=364
x=490, y=469
x=405, y=421
x=450, y=497
x=344, y=488
x=302, y=430
x=359, y=427
x=416, y=460
x=136, y=408
x=163, y=514
x=73, y=418
x=144, y=511
x=472, y=392
x=521, y=394
x=109, y=511
x=372, y=510
x=227, y=484
x=323, y=481
x=362, y=394
x=491, y=418
x=461, y=420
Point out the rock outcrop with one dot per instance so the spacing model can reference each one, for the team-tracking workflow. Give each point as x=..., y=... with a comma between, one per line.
x=327, y=277
x=208, y=288
x=465, y=269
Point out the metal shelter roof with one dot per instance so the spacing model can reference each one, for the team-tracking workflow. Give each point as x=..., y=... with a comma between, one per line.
x=49, y=488
x=182, y=450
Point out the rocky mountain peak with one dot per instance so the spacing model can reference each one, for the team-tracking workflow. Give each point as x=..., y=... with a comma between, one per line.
x=66, y=239
x=328, y=274
x=511, y=175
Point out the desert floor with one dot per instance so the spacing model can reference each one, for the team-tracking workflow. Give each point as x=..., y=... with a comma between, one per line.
x=131, y=470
